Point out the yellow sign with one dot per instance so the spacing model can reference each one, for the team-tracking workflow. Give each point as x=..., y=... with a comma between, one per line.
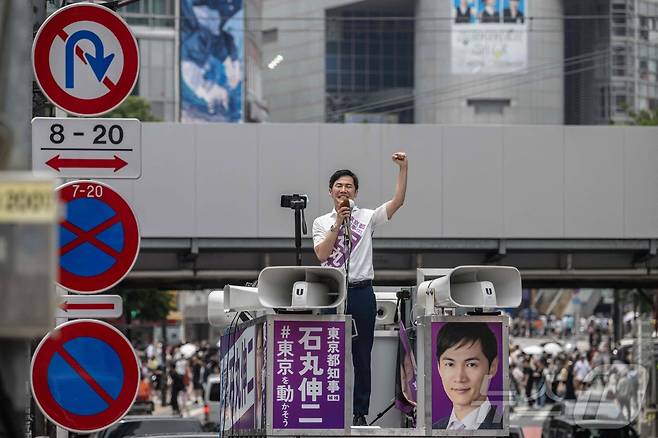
x=27, y=201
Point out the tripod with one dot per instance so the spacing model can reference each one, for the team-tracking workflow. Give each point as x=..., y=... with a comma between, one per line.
x=297, y=203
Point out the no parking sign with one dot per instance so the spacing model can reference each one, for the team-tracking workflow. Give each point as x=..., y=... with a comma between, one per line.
x=99, y=237
x=84, y=375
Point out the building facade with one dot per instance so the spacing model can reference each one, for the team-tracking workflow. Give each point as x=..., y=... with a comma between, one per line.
x=402, y=61
x=156, y=24
x=619, y=41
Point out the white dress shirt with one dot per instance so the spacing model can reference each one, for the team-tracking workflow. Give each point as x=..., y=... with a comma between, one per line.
x=473, y=420
x=363, y=224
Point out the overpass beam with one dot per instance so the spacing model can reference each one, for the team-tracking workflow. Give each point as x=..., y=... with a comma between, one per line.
x=649, y=255
x=499, y=254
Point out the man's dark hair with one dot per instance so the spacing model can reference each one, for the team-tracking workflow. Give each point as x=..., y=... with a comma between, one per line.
x=466, y=334
x=343, y=172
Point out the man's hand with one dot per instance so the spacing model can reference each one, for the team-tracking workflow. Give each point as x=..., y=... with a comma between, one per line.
x=400, y=158
x=341, y=215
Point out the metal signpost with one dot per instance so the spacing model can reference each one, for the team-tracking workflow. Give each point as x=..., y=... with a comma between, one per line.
x=85, y=374
x=87, y=148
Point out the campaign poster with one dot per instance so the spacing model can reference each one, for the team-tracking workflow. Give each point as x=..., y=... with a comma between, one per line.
x=211, y=60
x=489, y=36
x=309, y=380
x=468, y=368
x=243, y=369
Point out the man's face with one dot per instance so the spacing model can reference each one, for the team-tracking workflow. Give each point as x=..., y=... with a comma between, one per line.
x=343, y=188
x=490, y=3
x=465, y=373
x=514, y=4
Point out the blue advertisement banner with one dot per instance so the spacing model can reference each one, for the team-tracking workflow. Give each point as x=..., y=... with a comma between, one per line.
x=211, y=60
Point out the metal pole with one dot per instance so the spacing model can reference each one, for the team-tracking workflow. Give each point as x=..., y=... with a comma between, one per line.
x=60, y=433
x=163, y=388
x=298, y=235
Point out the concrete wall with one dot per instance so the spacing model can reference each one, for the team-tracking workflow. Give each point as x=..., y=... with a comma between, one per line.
x=222, y=180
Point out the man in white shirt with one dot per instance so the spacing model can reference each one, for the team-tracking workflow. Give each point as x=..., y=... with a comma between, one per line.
x=581, y=369
x=467, y=360
x=333, y=249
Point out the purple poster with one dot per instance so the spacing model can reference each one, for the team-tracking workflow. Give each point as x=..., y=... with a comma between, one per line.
x=467, y=375
x=309, y=375
x=242, y=393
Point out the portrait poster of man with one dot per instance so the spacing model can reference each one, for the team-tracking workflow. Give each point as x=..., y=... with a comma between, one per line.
x=469, y=362
x=211, y=60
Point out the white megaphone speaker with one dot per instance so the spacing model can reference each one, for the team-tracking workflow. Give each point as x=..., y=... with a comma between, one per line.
x=301, y=287
x=224, y=304
x=217, y=314
x=241, y=298
x=472, y=286
x=387, y=306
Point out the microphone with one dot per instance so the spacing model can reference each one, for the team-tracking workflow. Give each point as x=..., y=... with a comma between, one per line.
x=348, y=220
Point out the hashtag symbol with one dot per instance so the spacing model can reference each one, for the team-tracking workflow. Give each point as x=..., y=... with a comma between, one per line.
x=285, y=331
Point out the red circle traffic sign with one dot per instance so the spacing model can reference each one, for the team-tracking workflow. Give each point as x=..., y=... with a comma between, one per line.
x=99, y=237
x=84, y=375
x=83, y=81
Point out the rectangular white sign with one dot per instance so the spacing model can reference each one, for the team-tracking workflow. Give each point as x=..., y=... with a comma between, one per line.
x=89, y=306
x=489, y=36
x=87, y=148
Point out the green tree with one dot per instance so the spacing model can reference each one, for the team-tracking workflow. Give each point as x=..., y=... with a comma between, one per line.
x=642, y=117
x=147, y=304
x=134, y=107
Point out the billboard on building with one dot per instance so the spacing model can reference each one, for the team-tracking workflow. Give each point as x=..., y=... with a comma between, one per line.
x=211, y=60
x=489, y=36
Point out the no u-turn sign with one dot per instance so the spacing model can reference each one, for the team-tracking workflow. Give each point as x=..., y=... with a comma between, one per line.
x=85, y=59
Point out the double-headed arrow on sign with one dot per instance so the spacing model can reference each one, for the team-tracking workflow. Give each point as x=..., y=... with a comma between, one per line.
x=58, y=163
x=89, y=306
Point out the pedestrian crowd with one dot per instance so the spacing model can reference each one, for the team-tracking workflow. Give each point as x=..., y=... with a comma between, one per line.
x=187, y=369
x=538, y=378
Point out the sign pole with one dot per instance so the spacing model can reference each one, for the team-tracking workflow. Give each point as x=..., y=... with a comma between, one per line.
x=60, y=291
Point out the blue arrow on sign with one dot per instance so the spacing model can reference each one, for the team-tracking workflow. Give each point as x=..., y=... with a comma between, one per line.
x=99, y=63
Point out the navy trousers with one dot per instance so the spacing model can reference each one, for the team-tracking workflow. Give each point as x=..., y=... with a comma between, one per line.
x=361, y=304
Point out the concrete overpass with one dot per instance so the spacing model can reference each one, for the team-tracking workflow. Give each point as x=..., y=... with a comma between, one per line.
x=569, y=206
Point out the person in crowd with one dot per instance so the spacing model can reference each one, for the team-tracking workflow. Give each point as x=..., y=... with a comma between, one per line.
x=623, y=392
x=581, y=369
x=197, y=379
x=528, y=381
x=539, y=377
x=176, y=387
x=342, y=239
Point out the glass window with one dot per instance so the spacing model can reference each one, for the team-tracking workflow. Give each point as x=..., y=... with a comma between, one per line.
x=373, y=54
x=332, y=80
x=332, y=63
